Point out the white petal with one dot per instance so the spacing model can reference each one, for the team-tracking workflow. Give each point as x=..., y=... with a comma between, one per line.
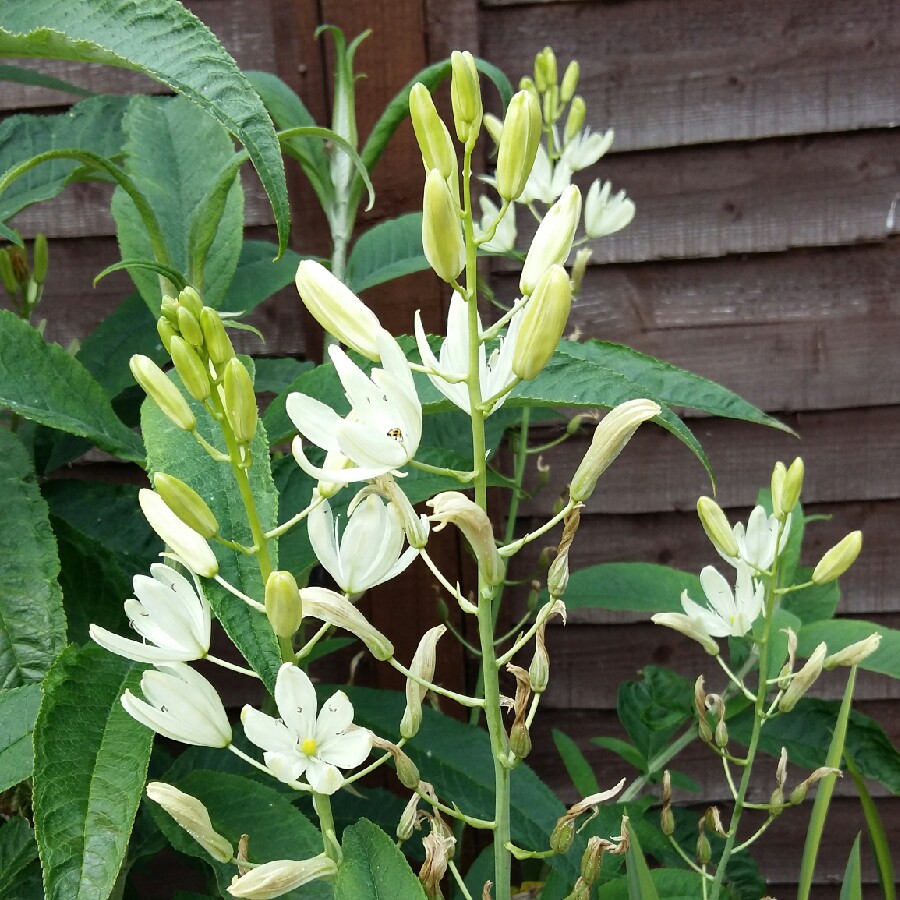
x=295, y=697
x=718, y=592
x=403, y=562
x=267, y=733
x=322, y=778
x=712, y=624
x=358, y=387
x=320, y=524
x=370, y=448
x=347, y=751
x=316, y=421
x=339, y=476
x=286, y=767
x=165, y=615
x=335, y=717
x=135, y=650
x=395, y=363
x=195, y=603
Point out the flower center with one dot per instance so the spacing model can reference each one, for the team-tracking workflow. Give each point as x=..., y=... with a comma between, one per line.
x=308, y=746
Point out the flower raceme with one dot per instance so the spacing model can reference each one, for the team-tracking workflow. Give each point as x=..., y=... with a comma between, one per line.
x=303, y=743
x=383, y=429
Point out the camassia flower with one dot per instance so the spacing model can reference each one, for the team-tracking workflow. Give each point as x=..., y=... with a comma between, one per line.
x=450, y=368
x=383, y=429
x=369, y=551
x=757, y=543
x=169, y=613
x=302, y=743
x=728, y=612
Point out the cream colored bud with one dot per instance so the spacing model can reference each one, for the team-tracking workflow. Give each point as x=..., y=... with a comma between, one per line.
x=610, y=437
x=781, y=768
x=416, y=527
x=240, y=401
x=423, y=664
x=494, y=127
x=165, y=331
x=575, y=118
x=189, y=326
x=337, y=610
x=526, y=84
x=162, y=392
x=804, y=679
x=272, y=879
x=442, y=237
x=473, y=522
x=793, y=484
x=215, y=337
x=284, y=607
x=189, y=367
x=519, y=140
x=337, y=309
x=778, y=475
x=569, y=82
x=193, y=817
x=184, y=541
x=334, y=459
x=716, y=526
x=552, y=240
x=187, y=504
x=432, y=136
x=838, y=559
x=853, y=654
x=191, y=300
x=545, y=73
x=582, y=257
x=168, y=309
x=465, y=95
x=543, y=323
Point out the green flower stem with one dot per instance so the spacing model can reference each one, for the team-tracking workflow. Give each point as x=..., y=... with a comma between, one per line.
x=229, y=665
x=464, y=477
x=455, y=813
x=287, y=526
x=308, y=646
x=735, y=680
x=461, y=699
x=514, y=547
x=756, y=834
x=322, y=806
x=459, y=880
x=451, y=590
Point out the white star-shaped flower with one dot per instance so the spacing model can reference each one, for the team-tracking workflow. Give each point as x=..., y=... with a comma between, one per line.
x=757, y=543
x=546, y=181
x=585, y=148
x=728, y=612
x=504, y=238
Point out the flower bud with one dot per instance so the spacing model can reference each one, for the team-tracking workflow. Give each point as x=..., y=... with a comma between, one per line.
x=40, y=256
x=465, y=95
x=337, y=610
x=184, y=541
x=704, y=850
x=272, y=879
x=716, y=526
x=188, y=365
x=793, y=484
x=778, y=475
x=539, y=670
x=337, y=309
x=163, y=393
x=721, y=734
x=667, y=821
x=591, y=859
x=610, y=437
x=580, y=891
x=804, y=679
x=519, y=140
x=240, y=401
x=569, y=82
x=853, y=654
x=519, y=740
x=545, y=73
x=776, y=802
x=582, y=257
x=575, y=118
x=563, y=835
x=432, y=136
x=193, y=817
x=191, y=301
x=218, y=344
x=473, y=522
x=798, y=795
x=187, y=504
x=442, y=237
x=838, y=559
x=165, y=331
x=526, y=84
x=407, y=771
x=543, y=323
x=423, y=663
x=550, y=103
x=189, y=326
x=494, y=127
x=283, y=605
x=168, y=308
x=558, y=575
x=7, y=275
x=552, y=240
x=407, y=824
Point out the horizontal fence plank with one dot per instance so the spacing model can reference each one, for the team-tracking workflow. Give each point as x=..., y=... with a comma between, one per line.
x=243, y=26
x=850, y=455
x=766, y=196
x=665, y=73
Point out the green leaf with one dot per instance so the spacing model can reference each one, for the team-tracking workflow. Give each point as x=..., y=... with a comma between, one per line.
x=17, y=850
x=43, y=383
x=640, y=884
x=21, y=75
x=851, y=886
x=386, y=251
x=276, y=373
x=627, y=751
x=259, y=275
x=373, y=867
x=18, y=711
x=840, y=633
x=668, y=884
x=638, y=587
x=32, y=624
x=174, y=155
x=577, y=766
x=93, y=125
x=90, y=761
x=653, y=709
x=140, y=37
x=814, y=603
x=175, y=452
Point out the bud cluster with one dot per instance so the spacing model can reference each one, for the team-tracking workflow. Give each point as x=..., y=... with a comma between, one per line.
x=22, y=282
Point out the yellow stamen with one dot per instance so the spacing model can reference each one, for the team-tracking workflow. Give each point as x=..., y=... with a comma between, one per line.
x=308, y=746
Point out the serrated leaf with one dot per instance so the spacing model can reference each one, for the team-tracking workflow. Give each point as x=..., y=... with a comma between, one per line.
x=32, y=623
x=259, y=275
x=577, y=766
x=840, y=633
x=17, y=850
x=388, y=250
x=140, y=37
x=18, y=711
x=638, y=587
x=43, y=383
x=373, y=868
x=90, y=761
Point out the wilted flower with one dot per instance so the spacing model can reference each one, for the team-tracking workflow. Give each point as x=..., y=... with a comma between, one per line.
x=272, y=879
x=169, y=612
x=302, y=743
x=729, y=612
x=473, y=522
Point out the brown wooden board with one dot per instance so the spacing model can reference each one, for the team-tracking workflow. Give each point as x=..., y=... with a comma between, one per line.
x=665, y=73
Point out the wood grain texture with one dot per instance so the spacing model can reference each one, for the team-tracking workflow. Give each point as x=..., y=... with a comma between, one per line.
x=669, y=73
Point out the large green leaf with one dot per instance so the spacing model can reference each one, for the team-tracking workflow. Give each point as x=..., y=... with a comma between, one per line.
x=93, y=125
x=163, y=40
x=32, y=624
x=839, y=633
x=373, y=868
x=42, y=382
x=90, y=761
x=638, y=587
x=387, y=250
x=667, y=884
x=17, y=851
x=577, y=766
x=18, y=710
x=174, y=155
x=175, y=452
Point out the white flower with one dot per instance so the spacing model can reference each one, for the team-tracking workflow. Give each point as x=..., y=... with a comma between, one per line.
x=384, y=426
x=603, y=215
x=689, y=627
x=546, y=181
x=272, y=879
x=299, y=742
x=452, y=367
x=585, y=148
x=756, y=544
x=728, y=613
x=183, y=706
x=369, y=551
x=504, y=238
x=169, y=613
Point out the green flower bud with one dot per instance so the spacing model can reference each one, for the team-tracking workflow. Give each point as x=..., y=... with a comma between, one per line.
x=776, y=802
x=704, y=851
x=798, y=794
x=569, y=82
x=582, y=257
x=543, y=323
x=667, y=821
x=187, y=504
x=407, y=772
x=465, y=96
x=519, y=740
x=218, y=344
x=494, y=127
x=563, y=835
x=40, y=256
x=7, y=275
x=190, y=299
x=526, y=84
x=240, y=401
x=539, y=670
x=793, y=484
x=721, y=734
x=169, y=309
x=519, y=140
x=575, y=118
x=163, y=393
x=550, y=103
x=838, y=559
x=432, y=136
x=189, y=326
x=591, y=860
x=716, y=526
x=284, y=607
x=407, y=824
x=188, y=365
x=442, y=236
x=166, y=331
x=552, y=240
x=545, y=69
